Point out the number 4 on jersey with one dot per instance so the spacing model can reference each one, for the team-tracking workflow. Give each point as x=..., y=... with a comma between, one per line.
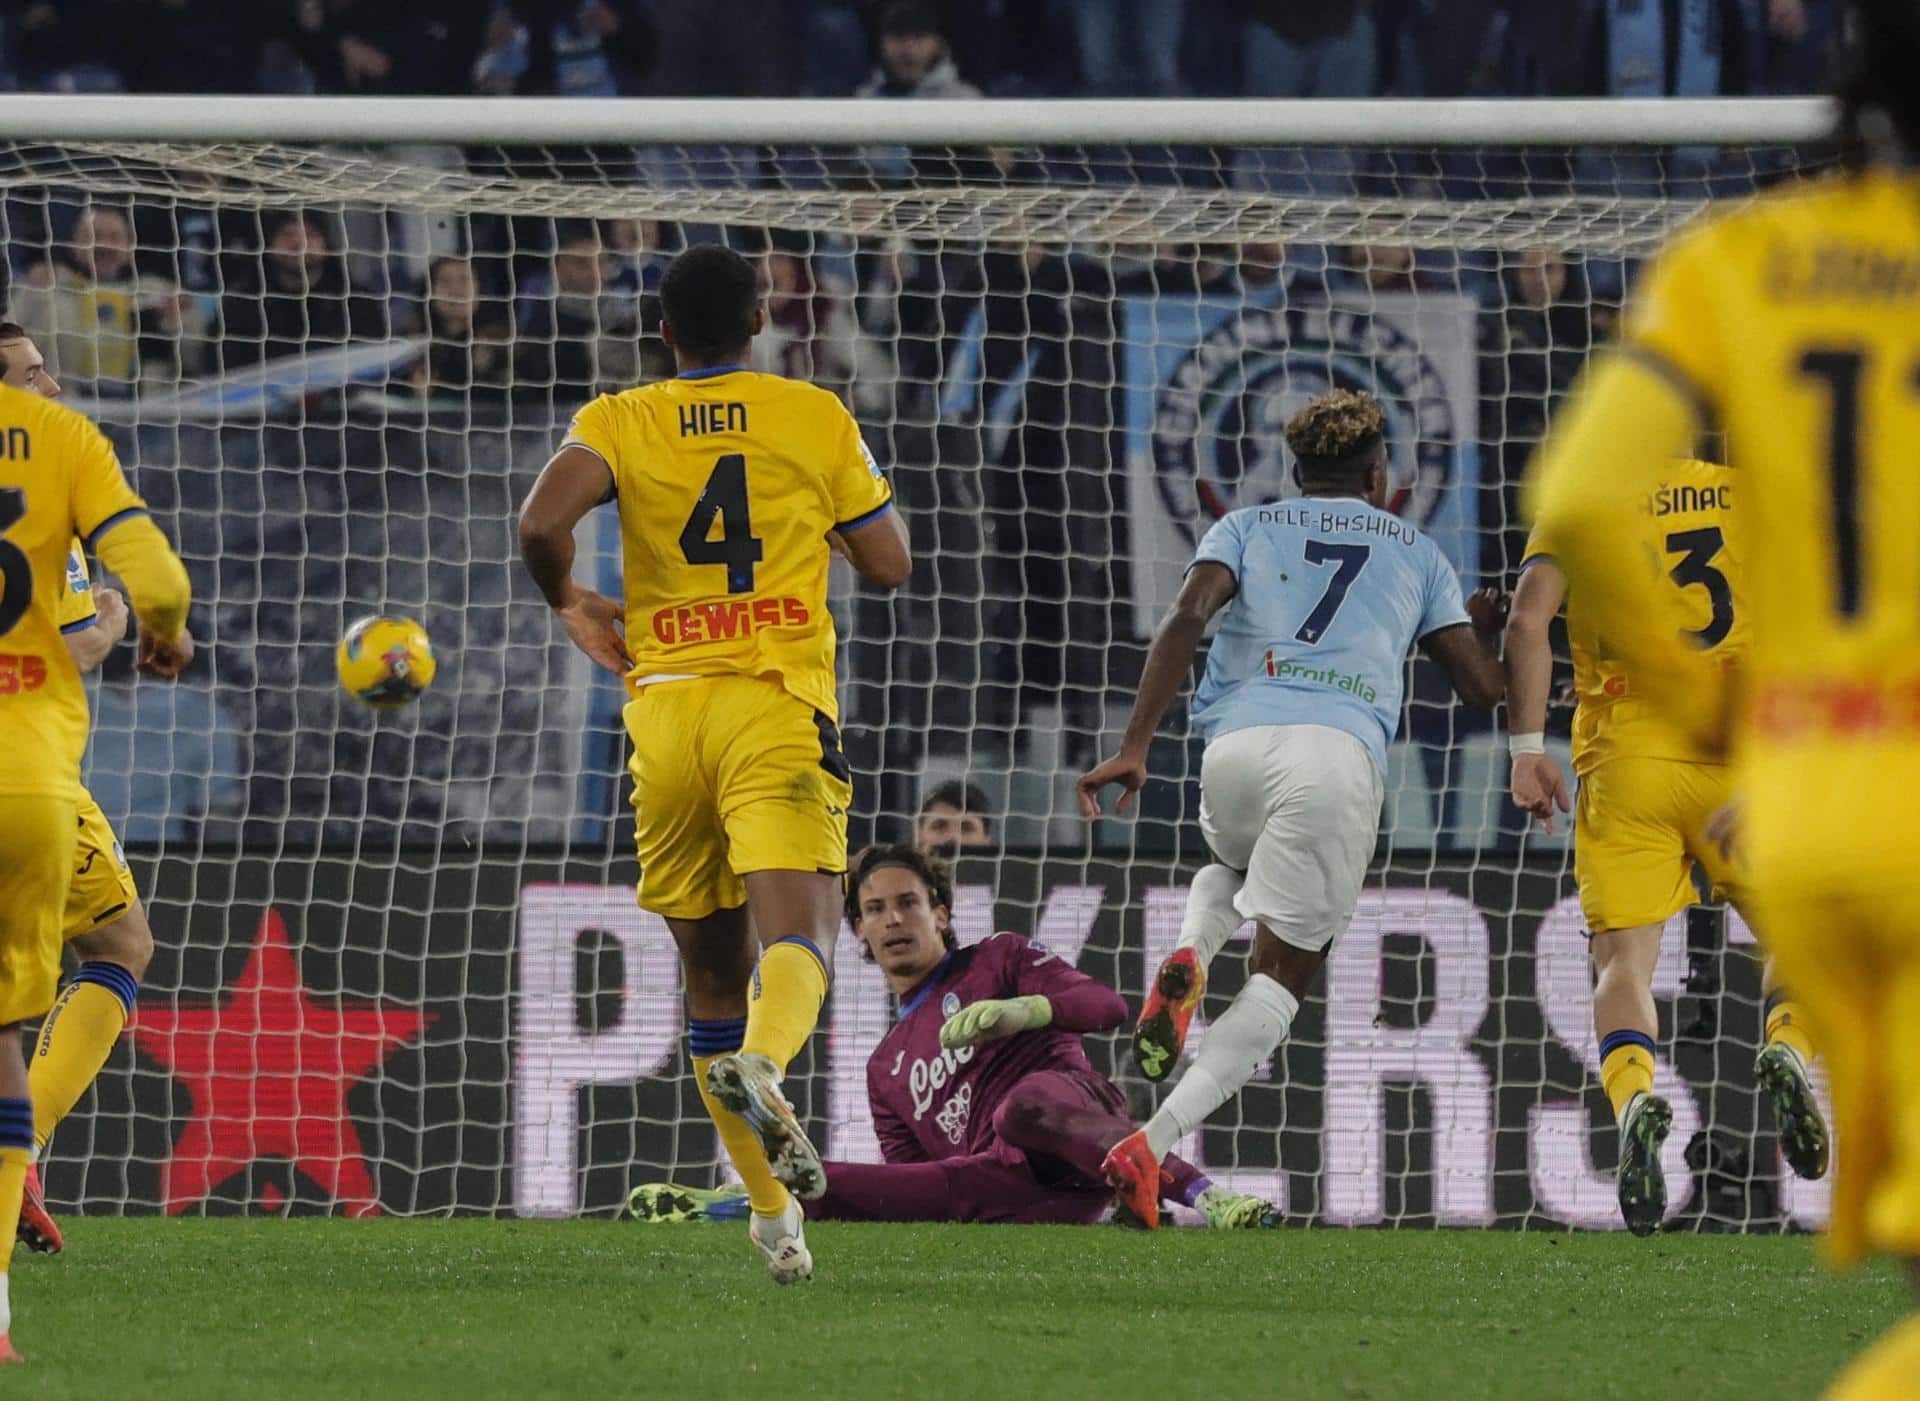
x=724, y=497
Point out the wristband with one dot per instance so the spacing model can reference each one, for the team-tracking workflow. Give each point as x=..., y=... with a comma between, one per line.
x=1535, y=743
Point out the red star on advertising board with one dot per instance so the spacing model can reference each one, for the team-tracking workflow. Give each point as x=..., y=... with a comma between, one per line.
x=269, y=1069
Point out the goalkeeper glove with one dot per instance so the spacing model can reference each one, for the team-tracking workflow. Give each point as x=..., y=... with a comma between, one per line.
x=993, y=1019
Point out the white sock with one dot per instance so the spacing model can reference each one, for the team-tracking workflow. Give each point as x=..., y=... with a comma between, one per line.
x=1232, y=1049
x=1211, y=918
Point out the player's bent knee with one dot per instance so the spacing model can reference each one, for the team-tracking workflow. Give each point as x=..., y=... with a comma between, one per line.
x=1022, y=1116
x=126, y=941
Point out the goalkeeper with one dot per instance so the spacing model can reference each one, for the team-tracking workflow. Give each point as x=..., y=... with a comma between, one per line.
x=984, y=1102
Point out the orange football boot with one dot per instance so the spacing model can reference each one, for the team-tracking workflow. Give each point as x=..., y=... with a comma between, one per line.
x=1161, y=1032
x=1135, y=1175
x=38, y=1231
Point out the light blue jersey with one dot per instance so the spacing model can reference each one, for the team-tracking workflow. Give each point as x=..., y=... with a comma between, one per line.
x=1332, y=594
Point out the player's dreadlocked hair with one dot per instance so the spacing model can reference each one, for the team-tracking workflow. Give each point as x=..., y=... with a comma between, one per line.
x=709, y=296
x=1879, y=94
x=933, y=874
x=1334, y=437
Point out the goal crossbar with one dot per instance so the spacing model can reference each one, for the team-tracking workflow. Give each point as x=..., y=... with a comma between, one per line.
x=838, y=121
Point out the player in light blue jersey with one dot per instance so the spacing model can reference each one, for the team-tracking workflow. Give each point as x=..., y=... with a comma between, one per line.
x=1323, y=596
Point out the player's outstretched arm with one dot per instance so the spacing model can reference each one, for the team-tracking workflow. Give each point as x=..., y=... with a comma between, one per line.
x=89, y=646
x=1467, y=654
x=1047, y=992
x=1538, y=785
x=1209, y=587
x=572, y=484
x=879, y=549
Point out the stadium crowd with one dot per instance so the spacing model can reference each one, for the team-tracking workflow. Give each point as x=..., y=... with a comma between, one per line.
x=1002, y=48
x=985, y=377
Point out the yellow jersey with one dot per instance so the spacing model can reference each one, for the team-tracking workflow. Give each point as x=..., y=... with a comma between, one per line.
x=1793, y=325
x=728, y=482
x=58, y=479
x=1685, y=538
x=76, y=598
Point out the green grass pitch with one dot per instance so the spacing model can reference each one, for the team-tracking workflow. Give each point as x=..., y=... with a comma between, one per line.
x=286, y=1310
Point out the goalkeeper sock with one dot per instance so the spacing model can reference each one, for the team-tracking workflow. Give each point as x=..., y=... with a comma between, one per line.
x=1785, y=1024
x=709, y=1040
x=75, y=1041
x=1626, y=1068
x=1211, y=917
x=789, y=984
x=1235, y=1046
x=16, y=1156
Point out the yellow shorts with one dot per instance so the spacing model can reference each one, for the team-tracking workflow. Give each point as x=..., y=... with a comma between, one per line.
x=1852, y=960
x=102, y=888
x=731, y=775
x=36, y=862
x=1639, y=828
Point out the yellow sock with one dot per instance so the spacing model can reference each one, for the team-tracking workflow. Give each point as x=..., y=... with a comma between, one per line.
x=1626, y=1068
x=788, y=987
x=75, y=1041
x=16, y=1130
x=1787, y=1025
x=1887, y=1371
x=766, y=1195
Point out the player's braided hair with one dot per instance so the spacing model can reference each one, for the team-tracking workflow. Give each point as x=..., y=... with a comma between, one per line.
x=1879, y=97
x=1334, y=436
x=933, y=874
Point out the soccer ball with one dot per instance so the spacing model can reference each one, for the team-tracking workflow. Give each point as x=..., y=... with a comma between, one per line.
x=386, y=662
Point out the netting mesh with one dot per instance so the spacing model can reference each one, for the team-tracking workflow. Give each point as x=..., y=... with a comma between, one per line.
x=334, y=373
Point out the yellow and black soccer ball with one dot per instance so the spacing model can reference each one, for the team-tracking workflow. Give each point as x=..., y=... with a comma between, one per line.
x=386, y=662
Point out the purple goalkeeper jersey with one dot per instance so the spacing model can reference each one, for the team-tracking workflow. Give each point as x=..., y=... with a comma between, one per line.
x=929, y=1102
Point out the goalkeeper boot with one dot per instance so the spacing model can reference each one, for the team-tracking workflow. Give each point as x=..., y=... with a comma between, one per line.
x=1161, y=1033
x=668, y=1203
x=38, y=1231
x=1643, y=1186
x=748, y=1085
x=1803, y=1129
x=1135, y=1176
x=1228, y=1210
x=782, y=1239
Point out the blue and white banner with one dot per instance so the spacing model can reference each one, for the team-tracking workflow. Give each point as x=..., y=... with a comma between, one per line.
x=1210, y=382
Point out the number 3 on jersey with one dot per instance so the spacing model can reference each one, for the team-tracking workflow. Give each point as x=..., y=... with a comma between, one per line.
x=16, y=571
x=724, y=497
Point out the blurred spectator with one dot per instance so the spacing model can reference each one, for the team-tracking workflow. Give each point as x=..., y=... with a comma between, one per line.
x=811, y=332
x=1128, y=48
x=201, y=46
x=299, y=301
x=1532, y=346
x=1289, y=49
x=1796, y=46
x=736, y=48
x=914, y=58
x=379, y=46
x=954, y=817
x=568, y=48
x=100, y=323
x=469, y=339
x=68, y=45
x=561, y=333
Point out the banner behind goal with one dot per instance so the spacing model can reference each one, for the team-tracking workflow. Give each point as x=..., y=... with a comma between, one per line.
x=400, y=968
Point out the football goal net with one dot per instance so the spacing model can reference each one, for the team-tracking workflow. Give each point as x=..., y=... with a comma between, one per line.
x=400, y=967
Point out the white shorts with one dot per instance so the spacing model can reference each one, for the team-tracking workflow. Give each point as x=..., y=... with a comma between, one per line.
x=1296, y=807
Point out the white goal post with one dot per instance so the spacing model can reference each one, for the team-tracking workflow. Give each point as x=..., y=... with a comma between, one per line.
x=333, y=340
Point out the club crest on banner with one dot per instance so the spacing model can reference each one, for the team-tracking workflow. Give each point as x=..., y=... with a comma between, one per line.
x=1211, y=384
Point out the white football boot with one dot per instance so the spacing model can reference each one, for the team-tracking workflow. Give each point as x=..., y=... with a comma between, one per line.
x=748, y=1085
x=782, y=1239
